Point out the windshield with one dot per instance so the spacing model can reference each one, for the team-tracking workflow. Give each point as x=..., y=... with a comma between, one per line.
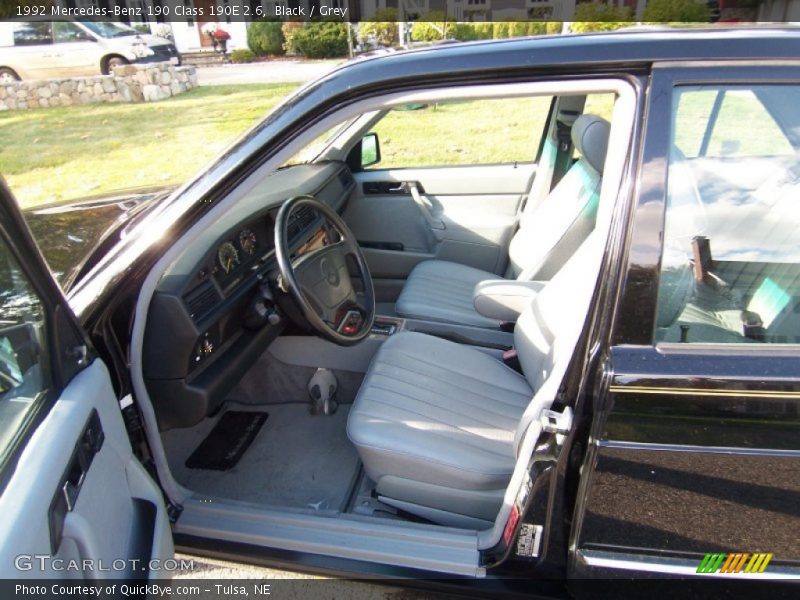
x=312, y=150
x=107, y=29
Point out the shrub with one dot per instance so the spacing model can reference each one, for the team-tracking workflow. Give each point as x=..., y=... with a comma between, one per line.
x=671, y=11
x=320, y=39
x=468, y=32
x=513, y=29
x=265, y=37
x=242, y=55
x=383, y=28
x=601, y=17
x=430, y=27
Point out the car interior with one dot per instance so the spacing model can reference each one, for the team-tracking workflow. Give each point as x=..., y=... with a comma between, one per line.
x=357, y=342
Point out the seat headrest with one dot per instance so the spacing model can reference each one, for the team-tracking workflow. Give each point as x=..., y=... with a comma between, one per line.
x=590, y=137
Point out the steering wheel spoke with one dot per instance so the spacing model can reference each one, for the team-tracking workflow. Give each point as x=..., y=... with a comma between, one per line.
x=319, y=280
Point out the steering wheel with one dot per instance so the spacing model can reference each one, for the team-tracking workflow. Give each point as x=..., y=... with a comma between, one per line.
x=319, y=280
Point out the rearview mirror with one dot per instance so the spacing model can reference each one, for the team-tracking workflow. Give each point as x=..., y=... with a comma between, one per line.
x=370, y=150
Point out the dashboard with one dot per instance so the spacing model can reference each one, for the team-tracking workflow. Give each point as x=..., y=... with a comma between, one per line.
x=214, y=313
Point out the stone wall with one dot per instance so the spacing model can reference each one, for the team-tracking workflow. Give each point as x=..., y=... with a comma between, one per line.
x=129, y=83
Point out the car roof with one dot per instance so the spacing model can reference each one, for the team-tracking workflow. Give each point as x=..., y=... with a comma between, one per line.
x=626, y=47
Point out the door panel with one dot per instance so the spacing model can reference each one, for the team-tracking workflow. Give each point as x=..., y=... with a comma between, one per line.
x=70, y=485
x=116, y=507
x=476, y=206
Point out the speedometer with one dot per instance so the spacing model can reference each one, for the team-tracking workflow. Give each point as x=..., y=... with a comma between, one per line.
x=228, y=257
x=247, y=240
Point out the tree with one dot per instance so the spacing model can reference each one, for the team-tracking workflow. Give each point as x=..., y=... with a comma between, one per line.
x=383, y=29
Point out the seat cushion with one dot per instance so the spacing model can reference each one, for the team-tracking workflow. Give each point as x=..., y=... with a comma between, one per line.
x=433, y=411
x=438, y=290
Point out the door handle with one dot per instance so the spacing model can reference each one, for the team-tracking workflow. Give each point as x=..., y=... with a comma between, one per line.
x=87, y=447
x=424, y=206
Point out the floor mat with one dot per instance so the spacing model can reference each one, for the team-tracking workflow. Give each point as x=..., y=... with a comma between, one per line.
x=227, y=442
x=297, y=460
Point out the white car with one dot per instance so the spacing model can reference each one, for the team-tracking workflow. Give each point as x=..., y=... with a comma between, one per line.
x=42, y=49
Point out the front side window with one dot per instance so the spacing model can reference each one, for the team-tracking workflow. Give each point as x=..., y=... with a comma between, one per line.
x=64, y=31
x=731, y=259
x=504, y=130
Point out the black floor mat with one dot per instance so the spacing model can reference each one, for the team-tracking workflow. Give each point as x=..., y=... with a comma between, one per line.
x=227, y=442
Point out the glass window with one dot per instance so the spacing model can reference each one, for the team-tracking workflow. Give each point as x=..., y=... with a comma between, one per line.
x=69, y=32
x=23, y=372
x=30, y=34
x=489, y=131
x=731, y=260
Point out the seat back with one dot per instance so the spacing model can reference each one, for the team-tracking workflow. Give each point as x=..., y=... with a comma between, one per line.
x=547, y=332
x=550, y=233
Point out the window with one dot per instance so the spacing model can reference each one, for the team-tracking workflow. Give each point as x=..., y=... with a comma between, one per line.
x=69, y=32
x=731, y=260
x=30, y=34
x=489, y=131
x=23, y=373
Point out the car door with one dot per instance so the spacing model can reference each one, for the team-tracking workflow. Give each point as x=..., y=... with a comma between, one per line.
x=76, y=503
x=694, y=456
x=75, y=50
x=447, y=182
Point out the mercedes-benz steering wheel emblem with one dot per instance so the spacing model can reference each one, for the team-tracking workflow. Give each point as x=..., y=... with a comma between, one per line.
x=329, y=272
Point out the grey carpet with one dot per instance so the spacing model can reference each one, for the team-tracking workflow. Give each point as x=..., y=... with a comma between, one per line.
x=297, y=460
x=270, y=381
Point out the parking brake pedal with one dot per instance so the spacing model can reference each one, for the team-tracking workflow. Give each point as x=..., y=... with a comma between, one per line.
x=322, y=388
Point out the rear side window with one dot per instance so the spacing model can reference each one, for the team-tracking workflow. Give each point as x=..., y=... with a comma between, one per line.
x=731, y=259
x=32, y=34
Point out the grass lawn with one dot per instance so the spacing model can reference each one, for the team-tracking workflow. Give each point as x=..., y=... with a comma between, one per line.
x=62, y=153
x=59, y=153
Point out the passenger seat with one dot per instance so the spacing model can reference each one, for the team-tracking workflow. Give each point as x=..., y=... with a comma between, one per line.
x=548, y=235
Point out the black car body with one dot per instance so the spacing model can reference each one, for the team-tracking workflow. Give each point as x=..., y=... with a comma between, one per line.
x=675, y=450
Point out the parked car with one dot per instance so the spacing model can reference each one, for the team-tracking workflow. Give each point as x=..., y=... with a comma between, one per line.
x=43, y=49
x=560, y=347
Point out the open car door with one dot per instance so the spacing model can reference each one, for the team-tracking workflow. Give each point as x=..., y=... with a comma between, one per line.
x=76, y=503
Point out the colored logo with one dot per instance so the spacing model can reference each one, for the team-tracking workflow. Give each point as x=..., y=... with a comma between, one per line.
x=736, y=562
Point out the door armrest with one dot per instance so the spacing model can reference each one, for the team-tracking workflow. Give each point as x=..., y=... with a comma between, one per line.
x=504, y=299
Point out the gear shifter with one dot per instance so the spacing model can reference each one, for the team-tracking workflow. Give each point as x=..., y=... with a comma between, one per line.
x=322, y=388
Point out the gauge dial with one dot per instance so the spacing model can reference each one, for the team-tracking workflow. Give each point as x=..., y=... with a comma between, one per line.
x=247, y=240
x=228, y=257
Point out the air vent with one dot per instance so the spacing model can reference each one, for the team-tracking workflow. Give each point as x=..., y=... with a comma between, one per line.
x=201, y=300
x=300, y=220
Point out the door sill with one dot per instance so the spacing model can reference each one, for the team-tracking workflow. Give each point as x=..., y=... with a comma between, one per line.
x=400, y=544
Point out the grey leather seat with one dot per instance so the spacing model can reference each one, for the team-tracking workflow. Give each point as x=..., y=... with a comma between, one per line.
x=436, y=423
x=548, y=234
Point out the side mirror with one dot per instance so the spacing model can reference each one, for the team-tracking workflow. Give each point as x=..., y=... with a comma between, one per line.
x=370, y=150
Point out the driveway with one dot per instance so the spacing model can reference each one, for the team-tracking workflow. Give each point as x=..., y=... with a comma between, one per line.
x=278, y=71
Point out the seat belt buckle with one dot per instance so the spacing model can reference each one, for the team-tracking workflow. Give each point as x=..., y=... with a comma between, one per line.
x=511, y=360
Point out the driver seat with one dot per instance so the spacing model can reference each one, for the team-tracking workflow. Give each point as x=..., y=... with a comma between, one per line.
x=436, y=423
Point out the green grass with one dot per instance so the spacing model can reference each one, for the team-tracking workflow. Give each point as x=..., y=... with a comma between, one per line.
x=60, y=153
